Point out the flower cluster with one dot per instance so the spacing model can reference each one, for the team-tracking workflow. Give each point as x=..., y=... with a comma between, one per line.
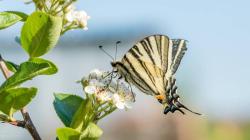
x=66, y=9
x=107, y=89
x=76, y=18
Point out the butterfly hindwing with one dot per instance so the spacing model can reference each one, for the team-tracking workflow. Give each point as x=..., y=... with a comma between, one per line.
x=179, y=49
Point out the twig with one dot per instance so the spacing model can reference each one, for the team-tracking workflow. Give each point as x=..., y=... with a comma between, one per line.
x=18, y=123
x=4, y=68
x=27, y=123
x=6, y=119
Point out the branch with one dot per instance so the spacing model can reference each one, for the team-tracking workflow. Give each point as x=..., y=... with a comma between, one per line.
x=27, y=123
x=18, y=123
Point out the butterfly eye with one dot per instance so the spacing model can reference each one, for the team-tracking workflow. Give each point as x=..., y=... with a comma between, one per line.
x=113, y=64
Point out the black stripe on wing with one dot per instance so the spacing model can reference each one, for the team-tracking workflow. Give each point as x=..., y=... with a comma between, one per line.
x=137, y=80
x=128, y=75
x=179, y=49
x=144, y=76
x=155, y=50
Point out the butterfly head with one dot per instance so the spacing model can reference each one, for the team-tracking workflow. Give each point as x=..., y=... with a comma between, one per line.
x=117, y=64
x=114, y=64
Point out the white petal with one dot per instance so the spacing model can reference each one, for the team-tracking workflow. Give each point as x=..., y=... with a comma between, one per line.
x=83, y=14
x=85, y=28
x=96, y=71
x=70, y=17
x=82, y=18
x=93, y=82
x=70, y=8
x=108, y=96
x=118, y=102
x=116, y=98
x=90, y=89
x=105, y=97
x=120, y=105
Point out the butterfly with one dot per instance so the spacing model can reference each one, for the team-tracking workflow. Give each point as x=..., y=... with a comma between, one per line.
x=150, y=65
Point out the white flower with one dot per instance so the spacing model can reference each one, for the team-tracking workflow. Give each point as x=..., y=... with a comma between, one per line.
x=97, y=74
x=48, y=3
x=70, y=8
x=105, y=89
x=120, y=102
x=90, y=89
x=80, y=18
x=104, y=95
x=69, y=16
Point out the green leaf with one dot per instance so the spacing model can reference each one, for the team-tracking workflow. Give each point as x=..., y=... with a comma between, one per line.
x=9, y=18
x=40, y=33
x=20, y=14
x=52, y=69
x=3, y=117
x=15, y=99
x=66, y=105
x=28, y=70
x=12, y=66
x=92, y=132
x=83, y=115
x=67, y=134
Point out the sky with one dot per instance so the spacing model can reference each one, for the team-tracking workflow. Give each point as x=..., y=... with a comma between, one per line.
x=214, y=74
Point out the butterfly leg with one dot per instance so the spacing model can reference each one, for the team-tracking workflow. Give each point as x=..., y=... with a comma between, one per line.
x=133, y=94
x=111, y=77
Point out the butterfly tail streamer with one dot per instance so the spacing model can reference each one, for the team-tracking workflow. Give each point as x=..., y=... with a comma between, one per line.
x=180, y=105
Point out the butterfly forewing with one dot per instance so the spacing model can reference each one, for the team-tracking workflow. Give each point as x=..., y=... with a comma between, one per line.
x=147, y=62
x=149, y=77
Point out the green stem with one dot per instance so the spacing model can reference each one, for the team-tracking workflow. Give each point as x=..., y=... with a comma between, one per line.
x=4, y=118
x=67, y=29
x=106, y=113
x=53, y=3
x=103, y=108
x=55, y=12
x=103, y=103
x=67, y=5
x=45, y=6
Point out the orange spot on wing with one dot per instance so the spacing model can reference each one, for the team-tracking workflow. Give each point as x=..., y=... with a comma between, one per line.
x=159, y=97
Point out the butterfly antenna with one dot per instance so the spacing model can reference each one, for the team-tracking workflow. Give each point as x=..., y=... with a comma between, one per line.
x=116, y=45
x=101, y=47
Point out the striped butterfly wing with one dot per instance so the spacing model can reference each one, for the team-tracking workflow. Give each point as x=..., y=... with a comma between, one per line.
x=145, y=76
x=147, y=63
x=151, y=64
x=155, y=50
x=179, y=49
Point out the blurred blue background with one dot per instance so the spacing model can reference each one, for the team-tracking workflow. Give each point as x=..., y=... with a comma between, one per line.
x=213, y=78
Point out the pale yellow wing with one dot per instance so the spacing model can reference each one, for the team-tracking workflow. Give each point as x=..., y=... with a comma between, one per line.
x=147, y=77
